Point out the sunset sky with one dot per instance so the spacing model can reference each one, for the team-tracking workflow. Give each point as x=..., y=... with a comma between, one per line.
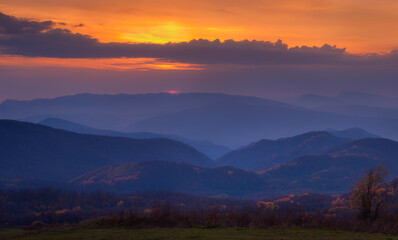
x=50, y=48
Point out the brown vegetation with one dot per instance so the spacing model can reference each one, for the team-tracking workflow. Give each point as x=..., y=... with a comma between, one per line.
x=370, y=193
x=375, y=202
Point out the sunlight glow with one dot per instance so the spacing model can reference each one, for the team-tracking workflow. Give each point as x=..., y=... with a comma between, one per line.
x=158, y=33
x=118, y=64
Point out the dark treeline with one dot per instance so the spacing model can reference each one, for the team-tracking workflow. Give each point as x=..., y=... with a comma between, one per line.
x=305, y=210
x=52, y=206
x=45, y=208
x=164, y=217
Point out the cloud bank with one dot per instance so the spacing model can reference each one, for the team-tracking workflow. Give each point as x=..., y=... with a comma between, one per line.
x=32, y=38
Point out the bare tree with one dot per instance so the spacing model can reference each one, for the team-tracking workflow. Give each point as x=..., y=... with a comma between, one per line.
x=369, y=193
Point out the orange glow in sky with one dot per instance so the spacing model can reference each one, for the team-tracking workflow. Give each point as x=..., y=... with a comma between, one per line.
x=362, y=26
x=117, y=64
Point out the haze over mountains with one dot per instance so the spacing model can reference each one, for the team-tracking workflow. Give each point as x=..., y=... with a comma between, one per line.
x=166, y=142
x=210, y=149
x=345, y=98
x=351, y=104
x=223, y=119
x=116, y=112
x=267, y=153
x=334, y=171
x=340, y=167
x=33, y=155
x=35, y=151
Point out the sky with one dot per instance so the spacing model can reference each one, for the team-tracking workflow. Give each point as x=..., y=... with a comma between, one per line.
x=263, y=48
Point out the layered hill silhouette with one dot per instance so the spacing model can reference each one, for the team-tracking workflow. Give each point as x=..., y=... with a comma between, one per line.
x=116, y=112
x=210, y=149
x=36, y=151
x=235, y=124
x=335, y=171
x=33, y=155
x=223, y=119
x=267, y=153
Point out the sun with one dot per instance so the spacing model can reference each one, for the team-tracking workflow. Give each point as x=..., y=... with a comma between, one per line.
x=173, y=92
x=159, y=33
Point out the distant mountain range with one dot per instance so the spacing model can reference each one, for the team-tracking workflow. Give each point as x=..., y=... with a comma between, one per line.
x=334, y=171
x=227, y=120
x=350, y=104
x=236, y=124
x=36, y=151
x=345, y=98
x=264, y=154
x=267, y=153
x=33, y=155
x=72, y=155
x=337, y=169
x=210, y=149
x=116, y=112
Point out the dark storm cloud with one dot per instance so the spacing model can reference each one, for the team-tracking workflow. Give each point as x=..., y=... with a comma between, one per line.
x=12, y=25
x=41, y=39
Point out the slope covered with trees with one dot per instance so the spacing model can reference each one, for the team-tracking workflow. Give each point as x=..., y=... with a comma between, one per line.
x=35, y=151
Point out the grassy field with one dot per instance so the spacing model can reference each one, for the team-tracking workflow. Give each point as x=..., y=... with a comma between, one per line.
x=176, y=234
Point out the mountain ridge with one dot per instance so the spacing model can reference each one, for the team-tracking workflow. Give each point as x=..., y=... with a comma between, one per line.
x=210, y=149
x=35, y=151
x=230, y=120
x=267, y=153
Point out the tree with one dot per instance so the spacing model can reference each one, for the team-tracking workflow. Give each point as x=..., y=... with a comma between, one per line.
x=369, y=193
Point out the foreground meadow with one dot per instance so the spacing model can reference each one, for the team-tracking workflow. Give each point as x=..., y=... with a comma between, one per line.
x=196, y=233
